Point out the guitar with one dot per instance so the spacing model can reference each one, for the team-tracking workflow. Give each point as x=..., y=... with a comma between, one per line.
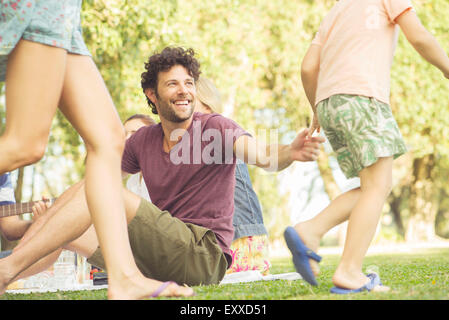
x=14, y=209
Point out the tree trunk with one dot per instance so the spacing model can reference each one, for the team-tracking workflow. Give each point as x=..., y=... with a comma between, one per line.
x=395, y=201
x=423, y=201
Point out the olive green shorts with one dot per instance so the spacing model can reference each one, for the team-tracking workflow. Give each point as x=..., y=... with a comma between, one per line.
x=165, y=248
x=360, y=130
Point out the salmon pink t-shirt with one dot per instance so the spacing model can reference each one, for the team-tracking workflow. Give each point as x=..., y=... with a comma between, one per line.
x=195, y=181
x=358, y=39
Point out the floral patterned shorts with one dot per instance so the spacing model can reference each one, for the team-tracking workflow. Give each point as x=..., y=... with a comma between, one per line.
x=360, y=130
x=52, y=22
x=250, y=253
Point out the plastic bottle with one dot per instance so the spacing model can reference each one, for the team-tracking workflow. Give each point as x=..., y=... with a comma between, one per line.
x=64, y=271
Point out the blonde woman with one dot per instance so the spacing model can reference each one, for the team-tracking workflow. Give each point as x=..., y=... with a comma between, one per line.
x=249, y=248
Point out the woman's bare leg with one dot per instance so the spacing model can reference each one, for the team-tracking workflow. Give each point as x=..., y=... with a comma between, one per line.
x=36, y=73
x=34, y=78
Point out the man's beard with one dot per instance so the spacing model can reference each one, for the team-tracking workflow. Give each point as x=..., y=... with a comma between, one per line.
x=168, y=113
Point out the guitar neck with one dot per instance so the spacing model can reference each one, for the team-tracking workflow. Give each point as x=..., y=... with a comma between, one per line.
x=17, y=208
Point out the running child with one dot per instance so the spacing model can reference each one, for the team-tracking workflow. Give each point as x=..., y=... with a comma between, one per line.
x=346, y=77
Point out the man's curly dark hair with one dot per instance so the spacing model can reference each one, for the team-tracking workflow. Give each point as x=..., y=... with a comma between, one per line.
x=161, y=62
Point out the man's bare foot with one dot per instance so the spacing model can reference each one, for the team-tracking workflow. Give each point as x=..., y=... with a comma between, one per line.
x=6, y=276
x=139, y=287
x=311, y=241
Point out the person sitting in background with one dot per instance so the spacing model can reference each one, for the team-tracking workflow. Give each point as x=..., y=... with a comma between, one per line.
x=12, y=227
x=249, y=248
x=135, y=182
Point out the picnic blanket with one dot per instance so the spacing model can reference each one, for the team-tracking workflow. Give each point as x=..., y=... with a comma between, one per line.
x=232, y=278
x=254, y=275
x=79, y=287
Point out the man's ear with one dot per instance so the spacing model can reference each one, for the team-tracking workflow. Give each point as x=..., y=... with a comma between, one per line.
x=150, y=93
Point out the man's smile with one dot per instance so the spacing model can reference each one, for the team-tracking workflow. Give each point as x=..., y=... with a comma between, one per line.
x=182, y=104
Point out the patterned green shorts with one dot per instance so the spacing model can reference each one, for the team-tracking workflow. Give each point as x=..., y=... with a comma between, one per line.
x=360, y=130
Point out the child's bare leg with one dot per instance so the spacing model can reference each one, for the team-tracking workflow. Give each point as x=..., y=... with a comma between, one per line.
x=338, y=211
x=34, y=78
x=375, y=187
x=88, y=106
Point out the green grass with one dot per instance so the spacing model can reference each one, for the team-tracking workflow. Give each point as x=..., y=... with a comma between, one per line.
x=421, y=275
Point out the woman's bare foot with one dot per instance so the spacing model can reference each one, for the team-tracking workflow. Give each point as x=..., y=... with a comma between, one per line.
x=311, y=241
x=174, y=290
x=139, y=287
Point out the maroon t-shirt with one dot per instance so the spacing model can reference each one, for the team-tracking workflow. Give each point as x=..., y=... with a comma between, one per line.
x=195, y=181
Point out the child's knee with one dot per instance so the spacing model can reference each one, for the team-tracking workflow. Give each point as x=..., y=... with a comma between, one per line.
x=378, y=176
x=382, y=185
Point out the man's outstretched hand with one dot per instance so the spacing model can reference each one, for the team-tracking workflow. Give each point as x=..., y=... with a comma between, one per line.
x=305, y=147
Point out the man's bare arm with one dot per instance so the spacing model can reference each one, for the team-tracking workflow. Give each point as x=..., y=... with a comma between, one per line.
x=276, y=157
